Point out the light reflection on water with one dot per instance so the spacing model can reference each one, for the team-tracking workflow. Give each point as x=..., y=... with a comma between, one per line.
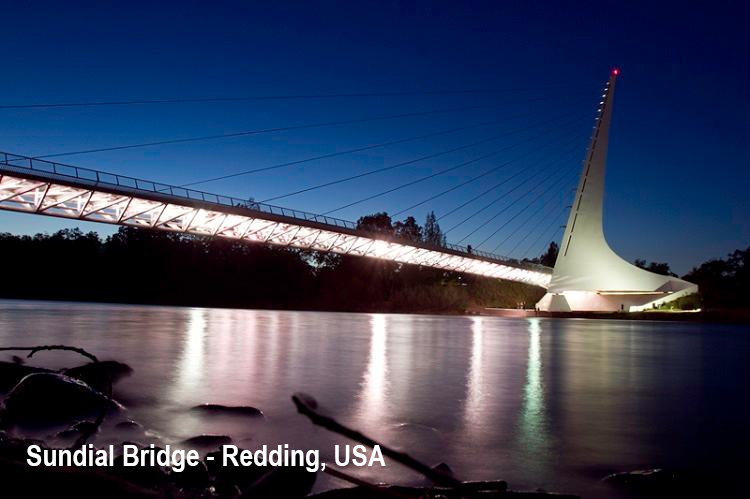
x=190, y=368
x=545, y=403
x=474, y=384
x=372, y=398
x=533, y=432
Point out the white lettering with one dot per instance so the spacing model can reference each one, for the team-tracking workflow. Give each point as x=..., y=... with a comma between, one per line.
x=129, y=455
x=377, y=456
x=34, y=458
x=345, y=461
x=226, y=456
x=360, y=455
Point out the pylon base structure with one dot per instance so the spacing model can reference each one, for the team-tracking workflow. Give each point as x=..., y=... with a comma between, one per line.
x=588, y=275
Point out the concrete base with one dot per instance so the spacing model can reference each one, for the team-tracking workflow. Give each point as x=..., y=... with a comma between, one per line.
x=593, y=301
x=509, y=312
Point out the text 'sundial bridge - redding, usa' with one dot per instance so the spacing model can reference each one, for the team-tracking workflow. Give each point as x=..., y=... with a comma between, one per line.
x=588, y=275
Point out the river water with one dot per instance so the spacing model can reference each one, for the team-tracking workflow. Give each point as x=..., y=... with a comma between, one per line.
x=543, y=403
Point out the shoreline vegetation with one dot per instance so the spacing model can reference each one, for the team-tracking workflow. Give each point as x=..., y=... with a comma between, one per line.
x=142, y=266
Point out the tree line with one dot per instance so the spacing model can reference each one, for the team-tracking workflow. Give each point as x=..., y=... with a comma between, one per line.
x=722, y=281
x=137, y=265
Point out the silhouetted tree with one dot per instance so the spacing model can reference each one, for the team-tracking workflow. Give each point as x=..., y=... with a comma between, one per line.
x=408, y=229
x=739, y=262
x=549, y=257
x=432, y=233
x=138, y=265
x=655, y=267
x=377, y=222
x=723, y=283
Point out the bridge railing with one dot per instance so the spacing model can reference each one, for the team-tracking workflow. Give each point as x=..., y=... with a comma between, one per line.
x=18, y=163
x=98, y=177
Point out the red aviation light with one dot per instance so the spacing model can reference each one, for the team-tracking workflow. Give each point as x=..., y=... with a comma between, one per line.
x=615, y=71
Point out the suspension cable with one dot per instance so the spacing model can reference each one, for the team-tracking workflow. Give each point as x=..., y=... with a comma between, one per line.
x=534, y=200
x=512, y=203
x=545, y=231
x=471, y=180
x=192, y=100
x=342, y=153
x=269, y=130
x=551, y=174
x=555, y=210
x=433, y=175
x=355, y=150
x=502, y=196
x=403, y=163
x=528, y=219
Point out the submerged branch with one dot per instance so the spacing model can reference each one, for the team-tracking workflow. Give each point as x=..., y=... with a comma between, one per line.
x=33, y=350
x=309, y=407
x=363, y=483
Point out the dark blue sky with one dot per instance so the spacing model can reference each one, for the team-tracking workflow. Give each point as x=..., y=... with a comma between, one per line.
x=677, y=179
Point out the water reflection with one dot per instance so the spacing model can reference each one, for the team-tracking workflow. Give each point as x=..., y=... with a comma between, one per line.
x=474, y=381
x=374, y=391
x=542, y=403
x=533, y=430
x=190, y=368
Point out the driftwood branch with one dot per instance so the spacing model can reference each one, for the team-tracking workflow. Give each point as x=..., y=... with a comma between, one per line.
x=33, y=350
x=309, y=407
x=384, y=491
x=86, y=434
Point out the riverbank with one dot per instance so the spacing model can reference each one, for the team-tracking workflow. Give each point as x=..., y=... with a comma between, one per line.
x=718, y=316
x=733, y=316
x=179, y=270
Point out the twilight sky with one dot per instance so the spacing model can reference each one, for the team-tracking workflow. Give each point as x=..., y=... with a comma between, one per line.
x=523, y=81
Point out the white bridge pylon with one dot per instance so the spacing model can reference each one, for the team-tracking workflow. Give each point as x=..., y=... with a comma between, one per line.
x=44, y=188
x=588, y=274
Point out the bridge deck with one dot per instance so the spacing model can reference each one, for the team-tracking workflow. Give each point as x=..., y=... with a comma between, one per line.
x=53, y=189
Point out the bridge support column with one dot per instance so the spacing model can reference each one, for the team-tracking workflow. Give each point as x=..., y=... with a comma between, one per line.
x=588, y=274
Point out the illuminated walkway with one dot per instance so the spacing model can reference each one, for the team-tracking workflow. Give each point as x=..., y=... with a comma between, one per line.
x=46, y=188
